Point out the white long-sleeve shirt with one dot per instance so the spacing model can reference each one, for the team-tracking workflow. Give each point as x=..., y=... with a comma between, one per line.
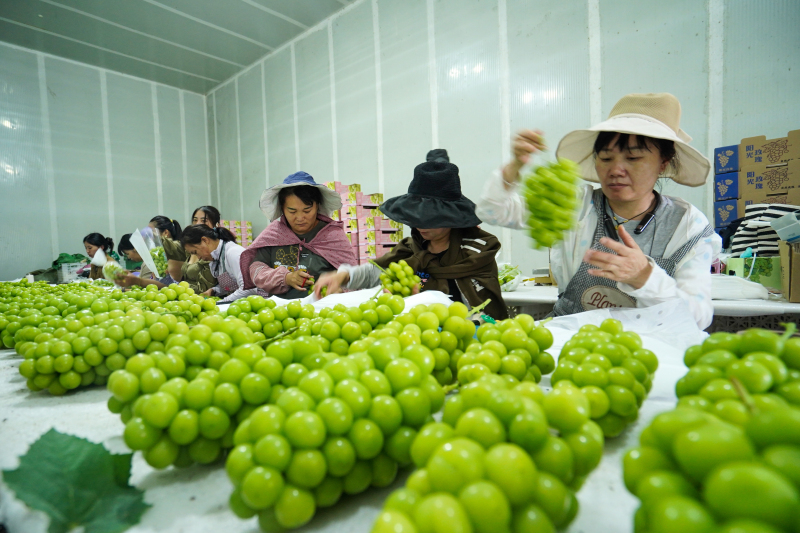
x=691, y=281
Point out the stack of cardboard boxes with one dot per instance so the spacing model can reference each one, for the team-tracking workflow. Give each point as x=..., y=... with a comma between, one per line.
x=370, y=233
x=757, y=171
x=241, y=229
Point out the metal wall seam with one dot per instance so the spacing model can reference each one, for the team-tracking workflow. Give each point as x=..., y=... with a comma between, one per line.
x=216, y=149
x=184, y=153
x=595, y=63
x=112, y=224
x=716, y=68
x=334, y=138
x=239, y=147
x=294, y=110
x=208, y=153
x=434, y=83
x=376, y=40
x=264, y=113
x=48, y=154
x=505, y=111
x=157, y=137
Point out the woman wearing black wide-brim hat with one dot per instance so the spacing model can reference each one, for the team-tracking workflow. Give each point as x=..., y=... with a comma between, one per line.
x=447, y=249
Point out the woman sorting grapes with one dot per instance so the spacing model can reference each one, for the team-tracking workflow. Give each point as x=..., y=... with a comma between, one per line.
x=447, y=249
x=632, y=247
x=92, y=243
x=181, y=265
x=218, y=245
x=300, y=243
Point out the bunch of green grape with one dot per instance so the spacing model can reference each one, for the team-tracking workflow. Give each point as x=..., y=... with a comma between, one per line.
x=512, y=347
x=694, y=471
x=112, y=270
x=765, y=364
x=612, y=369
x=727, y=458
x=398, y=278
x=340, y=425
x=38, y=307
x=96, y=333
x=551, y=194
x=506, y=457
x=160, y=260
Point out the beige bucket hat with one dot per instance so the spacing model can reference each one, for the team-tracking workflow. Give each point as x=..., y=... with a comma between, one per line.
x=656, y=115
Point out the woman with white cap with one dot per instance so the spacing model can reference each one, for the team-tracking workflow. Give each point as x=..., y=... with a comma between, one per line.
x=631, y=247
x=301, y=242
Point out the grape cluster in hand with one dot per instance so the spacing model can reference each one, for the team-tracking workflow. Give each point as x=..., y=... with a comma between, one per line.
x=160, y=260
x=551, y=194
x=399, y=278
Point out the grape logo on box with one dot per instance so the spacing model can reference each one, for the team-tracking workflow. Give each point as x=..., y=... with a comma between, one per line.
x=725, y=212
x=724, y=158
x=776, y=176
x=723, y=186
x=776, y=149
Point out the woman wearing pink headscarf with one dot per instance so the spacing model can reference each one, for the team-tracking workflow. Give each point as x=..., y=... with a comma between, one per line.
x=301, y=242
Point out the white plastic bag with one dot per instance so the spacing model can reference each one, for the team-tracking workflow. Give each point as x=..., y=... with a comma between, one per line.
x=505, y=271
x=671, y=322
x=142, y=242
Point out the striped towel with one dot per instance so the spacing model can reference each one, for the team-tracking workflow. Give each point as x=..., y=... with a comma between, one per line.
x=755, y=231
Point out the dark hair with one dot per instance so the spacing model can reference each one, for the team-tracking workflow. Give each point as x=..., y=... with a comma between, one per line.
x=167, y=224
x=307, y=194
x=194, y=233
x=211, y=213
x=666, y=148
x=96, y=239
x=125, y=244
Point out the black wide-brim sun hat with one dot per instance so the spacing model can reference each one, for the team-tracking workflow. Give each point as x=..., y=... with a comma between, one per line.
x=434, y=198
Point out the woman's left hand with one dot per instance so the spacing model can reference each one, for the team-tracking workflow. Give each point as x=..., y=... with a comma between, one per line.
x=208, y=293
x=629, y=265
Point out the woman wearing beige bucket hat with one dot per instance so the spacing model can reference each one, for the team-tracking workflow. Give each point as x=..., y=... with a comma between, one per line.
x=631, y=247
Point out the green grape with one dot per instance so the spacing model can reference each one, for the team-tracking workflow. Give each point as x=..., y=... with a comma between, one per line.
x=398, y=279
x=551, y=194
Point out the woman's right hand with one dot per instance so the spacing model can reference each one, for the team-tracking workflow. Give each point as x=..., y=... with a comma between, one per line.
x=525, y=143
x=297, y=280
x=334, y=281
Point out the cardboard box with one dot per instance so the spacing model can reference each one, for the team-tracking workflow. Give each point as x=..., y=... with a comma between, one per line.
x=790, y=270
x=758, y=180
x=727, y=211
x=757, y=150
x=375, y=199
x=767, y=270
x=726, y=159
x=726, y=186
x=790, y=197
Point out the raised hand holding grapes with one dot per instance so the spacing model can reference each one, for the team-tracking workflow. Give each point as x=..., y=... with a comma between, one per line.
x=525, y=143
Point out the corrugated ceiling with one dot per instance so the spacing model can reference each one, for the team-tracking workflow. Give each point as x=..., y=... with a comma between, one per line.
x=190, y=44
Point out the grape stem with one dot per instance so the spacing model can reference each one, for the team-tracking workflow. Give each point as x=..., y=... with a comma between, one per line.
x=375, y=296
x=479, y=308
x=747, y=400
x=277, y=337
x=378, y=266
x=452, y=387
x=791, y=327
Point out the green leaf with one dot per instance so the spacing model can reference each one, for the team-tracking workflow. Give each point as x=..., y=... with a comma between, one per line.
x=77, y=483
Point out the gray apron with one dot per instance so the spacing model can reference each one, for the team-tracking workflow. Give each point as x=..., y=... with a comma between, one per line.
x=226, y=282
x=585, y=292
